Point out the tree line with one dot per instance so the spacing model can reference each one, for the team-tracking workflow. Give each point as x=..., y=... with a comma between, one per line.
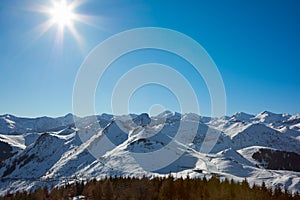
x=158, y=188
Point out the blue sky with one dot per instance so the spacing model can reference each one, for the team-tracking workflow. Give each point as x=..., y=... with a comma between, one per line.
x=255, y=45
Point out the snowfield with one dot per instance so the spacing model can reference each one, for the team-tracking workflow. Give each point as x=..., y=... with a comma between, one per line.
x=52, y=151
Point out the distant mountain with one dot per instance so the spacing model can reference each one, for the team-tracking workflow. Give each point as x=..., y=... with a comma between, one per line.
x=50, y=151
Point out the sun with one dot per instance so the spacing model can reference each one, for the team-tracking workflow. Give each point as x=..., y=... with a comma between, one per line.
x=63, y=16
x=62, y=13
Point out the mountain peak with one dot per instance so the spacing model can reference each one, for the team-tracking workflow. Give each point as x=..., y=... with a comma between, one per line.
x=267, y=113
x=69, y=115
x=269, y=117
x=241, y=116
x=8, y=116
x=168, y=114
x=142, y=119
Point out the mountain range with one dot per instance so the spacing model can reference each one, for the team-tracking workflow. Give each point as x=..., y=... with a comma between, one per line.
x=47, y=151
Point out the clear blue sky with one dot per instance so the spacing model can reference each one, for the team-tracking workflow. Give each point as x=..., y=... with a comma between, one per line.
x=255, y=44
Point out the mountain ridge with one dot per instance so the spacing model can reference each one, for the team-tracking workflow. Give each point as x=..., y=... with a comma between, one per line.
x=236, y=146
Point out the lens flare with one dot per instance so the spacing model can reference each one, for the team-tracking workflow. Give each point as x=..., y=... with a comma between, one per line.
x=62, y=15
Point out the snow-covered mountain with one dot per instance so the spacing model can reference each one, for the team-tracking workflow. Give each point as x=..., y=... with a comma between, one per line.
x=50, y=151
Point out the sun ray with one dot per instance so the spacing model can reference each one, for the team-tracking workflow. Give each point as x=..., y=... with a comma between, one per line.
x=62, y=14
x=75, y=4
x=60, y=35
x=76, y=35
x=87, y=19
x=42, y=28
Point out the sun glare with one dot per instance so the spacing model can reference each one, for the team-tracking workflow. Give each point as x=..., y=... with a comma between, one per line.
x=62, y=13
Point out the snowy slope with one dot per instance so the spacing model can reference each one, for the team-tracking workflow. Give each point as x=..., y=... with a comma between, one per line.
x=10, y=124
x=49, y=151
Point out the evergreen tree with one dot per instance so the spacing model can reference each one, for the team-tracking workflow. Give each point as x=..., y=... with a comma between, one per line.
x=107, y=189
x=158, y=188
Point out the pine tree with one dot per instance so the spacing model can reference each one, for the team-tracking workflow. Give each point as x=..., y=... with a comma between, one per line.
x=107, y=189
x=166, y=189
